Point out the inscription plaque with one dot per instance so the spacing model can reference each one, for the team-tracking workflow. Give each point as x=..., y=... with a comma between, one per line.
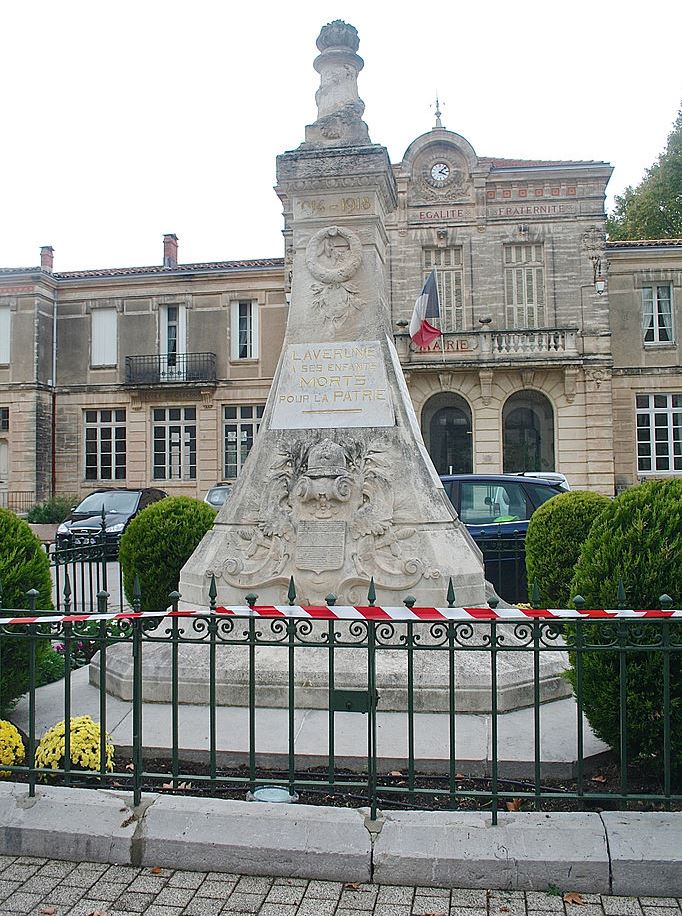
x=325, y=386
x=320, y=545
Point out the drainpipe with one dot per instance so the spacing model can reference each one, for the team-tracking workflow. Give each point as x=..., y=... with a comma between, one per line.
x=46, y=264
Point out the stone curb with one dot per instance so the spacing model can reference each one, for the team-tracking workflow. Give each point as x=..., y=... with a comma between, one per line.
x=623, y=853
x=525, y=851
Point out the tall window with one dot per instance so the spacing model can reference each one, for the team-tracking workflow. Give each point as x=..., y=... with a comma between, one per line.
x=524, y=286
x=244, y=330
x=4, y=419
x=446, y=427
x=528, y=433
x=657, y=315
x=174, y=431
x=104, y=338
x=448, y=264
x=105, y=444
x=659, y=433
x=172, y=343
x=4, y=334
x=240, y=427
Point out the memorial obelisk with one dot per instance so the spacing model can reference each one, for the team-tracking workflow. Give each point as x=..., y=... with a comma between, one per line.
x=338, y=488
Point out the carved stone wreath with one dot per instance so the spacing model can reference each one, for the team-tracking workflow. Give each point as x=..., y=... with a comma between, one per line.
x=328, y=263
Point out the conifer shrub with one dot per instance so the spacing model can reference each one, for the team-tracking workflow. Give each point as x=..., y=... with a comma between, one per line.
x=158, y=542
x=556, y=533
x=51, y=512
x=24, y=565
x=637, y=538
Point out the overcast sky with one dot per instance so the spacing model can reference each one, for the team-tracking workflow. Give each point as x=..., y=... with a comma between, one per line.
x=125, y=120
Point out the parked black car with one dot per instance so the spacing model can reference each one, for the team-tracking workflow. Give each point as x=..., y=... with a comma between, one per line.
x=83, y=525
x=496, y=509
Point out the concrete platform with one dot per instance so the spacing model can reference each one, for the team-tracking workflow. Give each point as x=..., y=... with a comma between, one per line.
x=473, y=734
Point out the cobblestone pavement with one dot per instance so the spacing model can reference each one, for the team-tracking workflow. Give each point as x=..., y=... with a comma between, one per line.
x=55, y=888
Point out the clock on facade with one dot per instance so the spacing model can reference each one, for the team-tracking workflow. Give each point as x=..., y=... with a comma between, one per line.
x=440, y=172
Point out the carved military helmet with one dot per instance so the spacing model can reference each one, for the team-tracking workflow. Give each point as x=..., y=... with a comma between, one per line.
x=327, y=459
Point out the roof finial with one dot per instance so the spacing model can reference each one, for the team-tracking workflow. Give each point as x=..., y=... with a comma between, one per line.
x=438, y=113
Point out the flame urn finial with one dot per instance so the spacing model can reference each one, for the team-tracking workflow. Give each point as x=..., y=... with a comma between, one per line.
x=338, y=34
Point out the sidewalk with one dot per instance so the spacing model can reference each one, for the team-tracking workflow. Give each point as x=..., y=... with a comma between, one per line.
x=55, y=888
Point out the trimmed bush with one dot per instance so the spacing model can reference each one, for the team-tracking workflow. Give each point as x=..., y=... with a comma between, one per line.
x=556, y=533
x=637, y=538
x=23, y=565
x=85, y=746
x=157, y=544
x=51, y=512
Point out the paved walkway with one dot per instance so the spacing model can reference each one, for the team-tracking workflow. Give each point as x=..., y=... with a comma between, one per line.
x=55, y=888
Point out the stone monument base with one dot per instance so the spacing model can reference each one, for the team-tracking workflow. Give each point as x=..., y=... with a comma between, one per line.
x=431, y=675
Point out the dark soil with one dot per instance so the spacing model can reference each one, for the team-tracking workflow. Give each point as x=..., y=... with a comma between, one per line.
x=600, y=791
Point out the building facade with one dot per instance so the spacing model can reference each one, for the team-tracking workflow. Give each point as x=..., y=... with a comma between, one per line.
x=559, y=351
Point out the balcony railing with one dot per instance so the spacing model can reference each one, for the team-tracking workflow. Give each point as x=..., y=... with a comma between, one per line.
x=163, y=368
x=488, y=345
x=17, y=500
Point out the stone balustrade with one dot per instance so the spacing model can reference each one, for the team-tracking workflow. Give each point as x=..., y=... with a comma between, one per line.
x=492, y=345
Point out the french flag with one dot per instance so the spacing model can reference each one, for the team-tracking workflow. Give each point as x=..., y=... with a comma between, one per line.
x=426, y=309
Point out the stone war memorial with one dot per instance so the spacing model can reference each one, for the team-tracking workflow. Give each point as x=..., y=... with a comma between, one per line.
x=339, y=490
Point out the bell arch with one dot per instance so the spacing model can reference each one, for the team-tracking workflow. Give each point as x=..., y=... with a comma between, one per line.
x=447, y=431
x=528, y=433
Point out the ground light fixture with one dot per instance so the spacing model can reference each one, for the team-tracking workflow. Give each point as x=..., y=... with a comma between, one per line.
x=277, y=795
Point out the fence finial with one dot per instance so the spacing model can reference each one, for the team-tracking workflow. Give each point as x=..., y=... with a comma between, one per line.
x=371, y=593
x=102, y=601
x=291, y=591
x=212, y=593
x=67, y=593
x=32, y=595
x=450, y=598
x=409, y=601
x=535, y=594
x=621, y=600
x=578, y=602
x=137, y=594
x=174, y=597
x=665, y=601
x=330, y=599
x=251, y=598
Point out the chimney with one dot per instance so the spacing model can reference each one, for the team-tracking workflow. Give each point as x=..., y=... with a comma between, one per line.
x=47, y=258
x=170, y=250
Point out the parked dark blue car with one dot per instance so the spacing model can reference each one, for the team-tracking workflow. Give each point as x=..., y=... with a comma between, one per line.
x=496, y=509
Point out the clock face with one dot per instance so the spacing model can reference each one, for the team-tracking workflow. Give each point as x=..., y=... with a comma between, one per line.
x=440, y=172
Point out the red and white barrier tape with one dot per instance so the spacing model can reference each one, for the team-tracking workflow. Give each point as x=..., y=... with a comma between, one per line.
x=378, y=614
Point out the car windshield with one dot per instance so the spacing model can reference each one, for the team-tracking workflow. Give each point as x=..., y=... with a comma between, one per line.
x=217, y=496
x=114, y=501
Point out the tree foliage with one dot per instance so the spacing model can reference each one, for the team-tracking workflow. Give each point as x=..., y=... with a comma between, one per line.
x=653, y=210
x=556, y=533
x=157, y=544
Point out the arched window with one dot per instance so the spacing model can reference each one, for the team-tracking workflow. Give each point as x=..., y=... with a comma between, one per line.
x=528, y=433
x=446, y=427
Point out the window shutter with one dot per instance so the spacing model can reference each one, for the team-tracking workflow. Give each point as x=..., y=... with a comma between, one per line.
x=104, y=343
x=4, y=334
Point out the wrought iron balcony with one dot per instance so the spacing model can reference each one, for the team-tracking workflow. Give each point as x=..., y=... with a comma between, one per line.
x=167, y=368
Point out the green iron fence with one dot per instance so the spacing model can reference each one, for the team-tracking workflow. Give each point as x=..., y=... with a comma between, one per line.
x=373, y=634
